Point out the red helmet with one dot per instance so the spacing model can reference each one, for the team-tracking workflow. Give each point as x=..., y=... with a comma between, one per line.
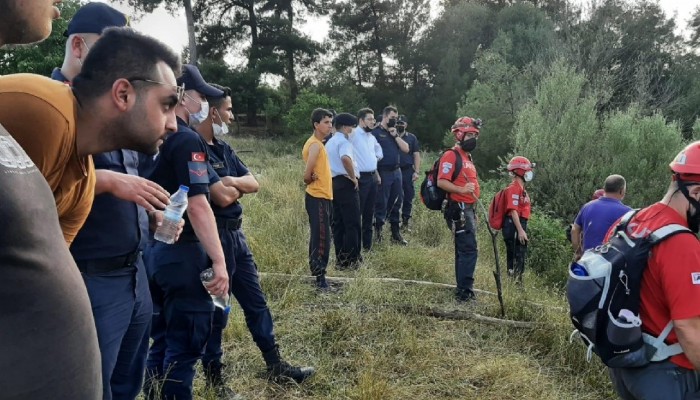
x=520, y=162
x=687, y=162
x=465, y=125
x=598, y=194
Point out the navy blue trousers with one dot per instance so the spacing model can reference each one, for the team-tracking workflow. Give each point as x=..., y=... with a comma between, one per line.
x=245, y=286
x=122, y=308
x=408, y=192
x=388, y=193
x=182, y=318
x=462, y=222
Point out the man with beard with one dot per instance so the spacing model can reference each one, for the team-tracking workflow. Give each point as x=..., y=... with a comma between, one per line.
x=462, y=195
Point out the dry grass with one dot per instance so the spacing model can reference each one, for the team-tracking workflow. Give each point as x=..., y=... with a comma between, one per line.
x=362, y=347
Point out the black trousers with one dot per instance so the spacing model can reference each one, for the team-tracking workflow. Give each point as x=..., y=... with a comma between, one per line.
x=319, y=211
x=346, y=222
x=515, y=250
x=368, y=196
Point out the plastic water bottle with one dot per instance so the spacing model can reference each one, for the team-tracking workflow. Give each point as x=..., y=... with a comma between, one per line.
x=173, y=215
x=223, y=302
x=578, y=270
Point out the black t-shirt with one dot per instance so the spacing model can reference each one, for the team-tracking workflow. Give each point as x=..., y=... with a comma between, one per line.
x=48, y=343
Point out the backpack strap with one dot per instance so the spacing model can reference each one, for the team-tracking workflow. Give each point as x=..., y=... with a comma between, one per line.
x=663, y=350
x=458, y=165
x=667, y=231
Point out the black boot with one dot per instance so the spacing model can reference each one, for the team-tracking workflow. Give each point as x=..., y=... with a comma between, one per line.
x=214, y=377
x=280, y=370
x=378, y=233
x=321, y=283
x=404, y=225
x=396, y=235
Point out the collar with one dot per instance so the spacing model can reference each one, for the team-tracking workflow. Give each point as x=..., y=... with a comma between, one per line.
x=57, y=75
x=609, y=199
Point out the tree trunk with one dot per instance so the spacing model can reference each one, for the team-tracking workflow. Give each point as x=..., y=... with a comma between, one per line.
x=252, y=86
x=291, y=74
x=190, y=31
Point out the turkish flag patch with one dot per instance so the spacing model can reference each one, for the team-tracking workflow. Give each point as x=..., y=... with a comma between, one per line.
x=199, y=157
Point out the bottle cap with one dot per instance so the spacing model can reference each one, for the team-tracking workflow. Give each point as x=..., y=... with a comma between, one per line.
x=184, y=188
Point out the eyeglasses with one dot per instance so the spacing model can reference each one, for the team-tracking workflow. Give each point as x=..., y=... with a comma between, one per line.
x=179, y=90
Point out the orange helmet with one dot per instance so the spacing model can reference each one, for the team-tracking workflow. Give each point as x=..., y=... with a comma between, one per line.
x=687, y=163
x=465, y=125
x=598, y=194
x=520, y=162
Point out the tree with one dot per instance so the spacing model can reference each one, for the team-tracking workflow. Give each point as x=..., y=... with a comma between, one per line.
x=172, y=5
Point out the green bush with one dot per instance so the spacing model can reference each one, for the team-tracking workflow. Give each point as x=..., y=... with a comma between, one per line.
x=298, y=119
x=549, y=253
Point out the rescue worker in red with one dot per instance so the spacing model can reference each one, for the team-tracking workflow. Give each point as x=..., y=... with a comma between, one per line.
x=517, y=213
x=670, y=290
x=462, y=194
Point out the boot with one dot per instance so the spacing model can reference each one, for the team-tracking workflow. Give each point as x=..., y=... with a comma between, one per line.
x=396, y=235
x=321, y=283
x=404, y=225
x=378, y=233
x=279, y=370
x=214, y=378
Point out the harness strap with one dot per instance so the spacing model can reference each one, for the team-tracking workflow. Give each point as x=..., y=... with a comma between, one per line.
x=663, y=350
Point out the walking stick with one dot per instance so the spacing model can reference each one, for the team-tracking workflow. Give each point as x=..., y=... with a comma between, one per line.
x=497, y=272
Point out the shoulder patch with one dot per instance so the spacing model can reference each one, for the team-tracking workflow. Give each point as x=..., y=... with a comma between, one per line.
x=198, y=157
x=198, y=172
x=695, y=277
x=446, y=167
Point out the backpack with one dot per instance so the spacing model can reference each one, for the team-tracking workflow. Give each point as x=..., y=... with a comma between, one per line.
x=430, y=194
x=497, y=210
x=603, y=292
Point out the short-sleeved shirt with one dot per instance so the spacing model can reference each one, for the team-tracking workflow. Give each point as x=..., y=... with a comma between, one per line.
x=517, y=199
x=671, y=282
x=183, y=161
x=367, y=150
x=338, y=147
x=110, y=216
x=467, y=174
x=46, y=323
x=596, y=217
x=322, y=187
x=406, y=159
x=41, y=115
x=390, y=149
x=225, y=162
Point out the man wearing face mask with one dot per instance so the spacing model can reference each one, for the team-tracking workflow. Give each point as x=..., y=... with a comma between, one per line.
x=236, y=180
x=183, y=325
x=670, y=289
x=346, y=200
x=410, y=165
x=390, y=188
x=367, y=153
x=517, y=213
x=462, y=194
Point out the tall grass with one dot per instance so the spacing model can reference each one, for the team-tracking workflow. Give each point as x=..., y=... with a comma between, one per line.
x=363, y=338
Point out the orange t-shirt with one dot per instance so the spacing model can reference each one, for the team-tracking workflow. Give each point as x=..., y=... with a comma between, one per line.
x=517, y=199
x=322, y=187
x=40, y=114
x=466, y=175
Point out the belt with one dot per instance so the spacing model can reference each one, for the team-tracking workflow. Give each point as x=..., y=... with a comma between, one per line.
x=187, y=237
x=457, y=203
x=231, y=224
x=390, y=168
x=405, y=167
x=371, y=173
x=103, y=265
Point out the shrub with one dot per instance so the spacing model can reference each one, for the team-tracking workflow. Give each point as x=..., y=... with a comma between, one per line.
x=298, y=119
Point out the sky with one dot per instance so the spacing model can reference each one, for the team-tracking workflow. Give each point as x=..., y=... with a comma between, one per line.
x=172, y=29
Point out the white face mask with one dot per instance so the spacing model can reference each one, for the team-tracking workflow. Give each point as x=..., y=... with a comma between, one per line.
x=528, y=176
x=199, y=117
x=220, y=130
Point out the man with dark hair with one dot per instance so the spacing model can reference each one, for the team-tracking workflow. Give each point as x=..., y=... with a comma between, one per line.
x=319, y=194
x=410, y=165
x=390, y=183
x=243, y=272
x=113, y=270
x=367, y=153
x=186, y=310
x=346, y=199
x=129, y=106
x=597, y=216
x=47, y=341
